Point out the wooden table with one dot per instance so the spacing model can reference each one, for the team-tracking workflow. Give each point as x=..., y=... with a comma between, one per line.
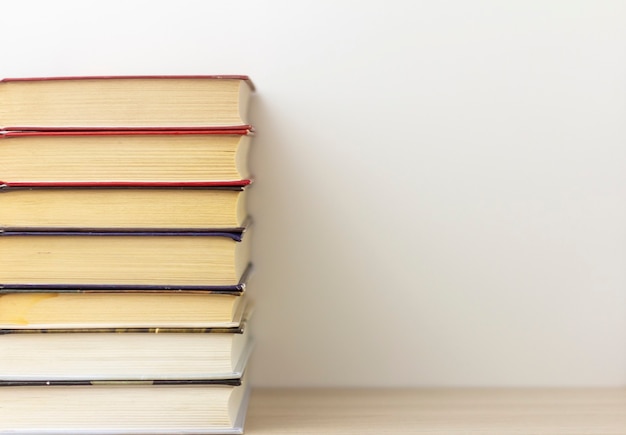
x=437, y=411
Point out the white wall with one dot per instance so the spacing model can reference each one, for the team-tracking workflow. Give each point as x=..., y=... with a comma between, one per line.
x=441, y=185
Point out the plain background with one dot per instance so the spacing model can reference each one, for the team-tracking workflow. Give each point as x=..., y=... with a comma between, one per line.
x=441, y=185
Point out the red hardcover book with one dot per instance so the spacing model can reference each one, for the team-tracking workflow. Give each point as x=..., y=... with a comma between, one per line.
x=138, y=156
x=125, y=102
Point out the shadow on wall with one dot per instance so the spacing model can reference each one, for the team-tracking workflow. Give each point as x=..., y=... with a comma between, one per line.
x=320, y=278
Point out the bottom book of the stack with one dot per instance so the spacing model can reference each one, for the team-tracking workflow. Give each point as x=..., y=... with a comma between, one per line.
x=130, y=407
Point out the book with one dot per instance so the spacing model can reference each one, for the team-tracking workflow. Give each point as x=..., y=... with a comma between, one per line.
x=128, y=407
x=124, y=254
x=141, y=206
x=124, y=102
x=121, y=309
x=219, y=156
x=181, y=259
x=124, y=353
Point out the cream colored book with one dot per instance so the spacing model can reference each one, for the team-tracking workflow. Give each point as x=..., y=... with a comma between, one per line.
x=124, y=353
x=125, y=156
x=124, y=102
x=123, y=408
x=123, y=259
x=120, y=309
x=133, y=206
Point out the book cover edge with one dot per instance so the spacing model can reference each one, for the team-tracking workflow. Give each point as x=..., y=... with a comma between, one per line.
x=243, y=130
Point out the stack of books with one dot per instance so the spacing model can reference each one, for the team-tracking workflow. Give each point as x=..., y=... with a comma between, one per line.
x=124, y=255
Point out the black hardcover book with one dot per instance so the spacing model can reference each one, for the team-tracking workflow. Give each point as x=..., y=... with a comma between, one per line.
x=184, y=259
x=161, y=407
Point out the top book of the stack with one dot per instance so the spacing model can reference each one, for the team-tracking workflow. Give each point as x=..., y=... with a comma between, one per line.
x=125, y=102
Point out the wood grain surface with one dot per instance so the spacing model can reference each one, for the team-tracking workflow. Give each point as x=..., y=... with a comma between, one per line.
x=437, y=411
